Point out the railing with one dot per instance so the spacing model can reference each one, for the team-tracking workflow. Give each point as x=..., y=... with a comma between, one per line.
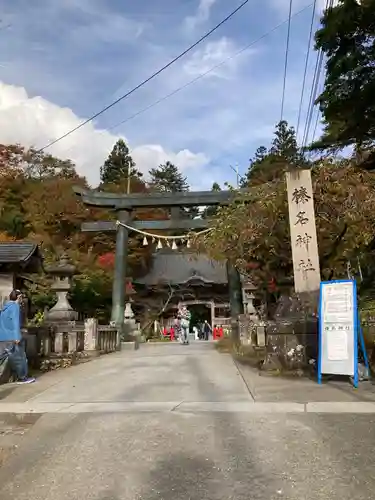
x=69, y=338
x=107, y=339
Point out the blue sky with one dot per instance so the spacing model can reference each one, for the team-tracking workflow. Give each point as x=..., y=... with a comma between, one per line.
x=61, y=61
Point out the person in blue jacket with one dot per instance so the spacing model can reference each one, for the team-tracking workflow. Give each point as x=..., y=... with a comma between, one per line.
x=11, y=337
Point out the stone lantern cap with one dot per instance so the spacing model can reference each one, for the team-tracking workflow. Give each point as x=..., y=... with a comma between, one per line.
x=63, y=268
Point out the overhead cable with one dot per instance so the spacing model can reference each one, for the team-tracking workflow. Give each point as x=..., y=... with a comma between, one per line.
x=144, y=82
x=286, y=59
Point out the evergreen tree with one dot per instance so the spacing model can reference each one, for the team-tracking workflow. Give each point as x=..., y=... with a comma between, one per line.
x=347, y=103
x=211, y=211
x=271, y=164
x=119, y=165
x=284, y=144
x=167, y=178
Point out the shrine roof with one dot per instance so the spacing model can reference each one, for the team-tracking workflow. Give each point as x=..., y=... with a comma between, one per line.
x=172, y=267
x=18, y=252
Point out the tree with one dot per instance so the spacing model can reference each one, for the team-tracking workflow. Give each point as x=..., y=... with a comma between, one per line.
x=167, y=178
x=211, y=211
x=39, y=166
x=271, y=164
x=347, y=103
x=119, y=165
x=37, y=203
x=254, y=229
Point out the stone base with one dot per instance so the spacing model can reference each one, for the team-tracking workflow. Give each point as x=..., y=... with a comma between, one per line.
x=292, y=334
x=128, y=346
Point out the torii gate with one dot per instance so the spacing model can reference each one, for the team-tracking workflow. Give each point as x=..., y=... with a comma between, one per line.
x=125, y=204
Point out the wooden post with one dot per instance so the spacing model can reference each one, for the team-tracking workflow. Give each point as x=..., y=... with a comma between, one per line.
x=118, y=290
x=212, y=305
x=303, y=231
x=235, y=300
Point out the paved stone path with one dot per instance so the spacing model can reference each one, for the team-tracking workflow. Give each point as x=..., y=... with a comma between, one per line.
x=179, y=422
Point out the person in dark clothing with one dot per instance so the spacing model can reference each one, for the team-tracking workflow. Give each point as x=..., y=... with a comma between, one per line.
x=206, y=330
x=11, y=340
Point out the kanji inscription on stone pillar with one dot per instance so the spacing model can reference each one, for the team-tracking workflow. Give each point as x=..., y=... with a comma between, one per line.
x=303, y=231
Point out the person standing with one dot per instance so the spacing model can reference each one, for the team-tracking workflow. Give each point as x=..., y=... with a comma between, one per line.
x=206, y=330
x=185, y=316
x=11, y=339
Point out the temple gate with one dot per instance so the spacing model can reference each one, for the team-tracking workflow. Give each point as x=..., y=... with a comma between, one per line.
x=125, y=204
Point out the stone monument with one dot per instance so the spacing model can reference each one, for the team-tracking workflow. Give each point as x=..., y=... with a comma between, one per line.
x=292, y=331
x=63, y=273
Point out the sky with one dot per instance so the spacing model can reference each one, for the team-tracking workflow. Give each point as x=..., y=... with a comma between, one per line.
x=62, y=61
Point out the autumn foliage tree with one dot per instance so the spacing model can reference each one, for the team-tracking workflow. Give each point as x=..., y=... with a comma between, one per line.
x=254, y=230
x=37, y=203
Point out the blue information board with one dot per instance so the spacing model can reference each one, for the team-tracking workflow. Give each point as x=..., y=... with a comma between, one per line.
x=338, y=329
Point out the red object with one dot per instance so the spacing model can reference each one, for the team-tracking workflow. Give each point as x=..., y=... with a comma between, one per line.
x=272, y=285
x=129, y=289
x=107, y=260
x=164, y=331
x=214, y=333
x=220, y=332
x=172, y=333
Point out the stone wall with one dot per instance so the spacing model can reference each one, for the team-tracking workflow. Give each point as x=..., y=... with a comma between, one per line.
x=286, y=345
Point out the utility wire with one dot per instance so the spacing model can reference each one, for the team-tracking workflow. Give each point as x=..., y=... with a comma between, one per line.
x=286, y=58
x=306, y=66
x=313, y=95
x=144, y=82
x=202, y=75
x=316, y=124
x=314, y=89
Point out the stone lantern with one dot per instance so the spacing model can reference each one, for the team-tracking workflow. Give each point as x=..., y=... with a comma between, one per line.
x=130, y=326
x=129, y=291
x=63, y=273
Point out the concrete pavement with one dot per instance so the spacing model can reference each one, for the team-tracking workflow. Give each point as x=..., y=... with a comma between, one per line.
x=179, y=422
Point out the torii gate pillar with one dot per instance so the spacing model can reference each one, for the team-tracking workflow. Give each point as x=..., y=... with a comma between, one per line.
x=119, y=275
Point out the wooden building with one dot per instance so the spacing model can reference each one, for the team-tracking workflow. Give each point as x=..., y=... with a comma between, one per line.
x=17, y=260
x=185, y=278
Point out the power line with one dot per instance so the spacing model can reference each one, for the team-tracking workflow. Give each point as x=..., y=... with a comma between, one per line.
x=202, y=75
x=306, y=67
x=314, y=89
x=316, y=124
x=313, y=95
x=286, y=58
x=144, y=82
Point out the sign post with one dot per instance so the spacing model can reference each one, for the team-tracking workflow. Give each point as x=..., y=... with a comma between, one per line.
x=303, y=231
x=338, y=329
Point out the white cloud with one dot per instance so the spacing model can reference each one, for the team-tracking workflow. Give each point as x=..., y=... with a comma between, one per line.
x=211, y=55
x=36, y=122
x=151, y=155
x=103, y=25
x=201, y=16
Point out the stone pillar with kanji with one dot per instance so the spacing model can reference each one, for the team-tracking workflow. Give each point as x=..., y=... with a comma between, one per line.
x=303, y=235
